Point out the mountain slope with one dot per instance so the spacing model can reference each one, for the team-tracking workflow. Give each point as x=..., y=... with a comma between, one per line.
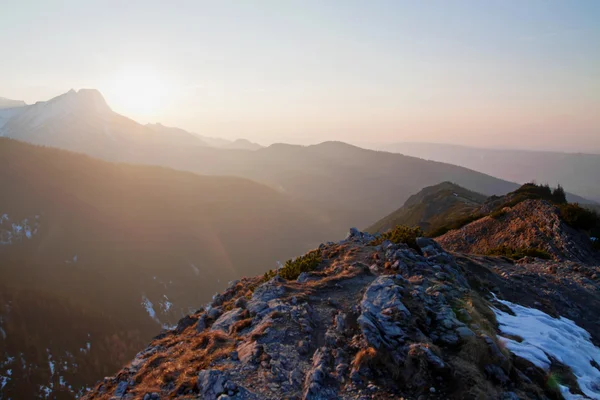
x=381, y=322
x=530, y=224
x=575, y=171
x=8, y=103
x=347, y=185
x=135, y=246
x=432, y=208
x=82, y=121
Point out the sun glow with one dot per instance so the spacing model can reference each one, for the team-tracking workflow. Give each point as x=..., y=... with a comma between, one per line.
x=138, y=90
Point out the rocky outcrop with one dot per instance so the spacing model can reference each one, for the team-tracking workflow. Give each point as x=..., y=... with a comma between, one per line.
x=371, y=322
x=529, y=224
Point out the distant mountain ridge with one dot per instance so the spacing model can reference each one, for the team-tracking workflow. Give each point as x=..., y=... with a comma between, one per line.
x=576, y=172
x=432, y=208
x=8, y=103
x=239, y=144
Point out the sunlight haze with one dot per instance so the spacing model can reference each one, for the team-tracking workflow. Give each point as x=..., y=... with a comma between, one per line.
x=506, y=74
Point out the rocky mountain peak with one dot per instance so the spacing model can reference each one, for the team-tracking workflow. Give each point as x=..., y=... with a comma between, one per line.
x=363, y=318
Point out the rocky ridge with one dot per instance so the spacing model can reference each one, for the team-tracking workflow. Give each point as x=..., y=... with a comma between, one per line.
x=370, y=322
x=528, y=224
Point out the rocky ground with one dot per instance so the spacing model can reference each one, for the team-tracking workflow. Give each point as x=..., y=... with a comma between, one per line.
x=529, y=224
x=371, y=322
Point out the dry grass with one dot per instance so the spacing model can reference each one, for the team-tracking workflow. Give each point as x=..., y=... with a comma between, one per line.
x=240, y=325
x=176, y=367
x=364, y=357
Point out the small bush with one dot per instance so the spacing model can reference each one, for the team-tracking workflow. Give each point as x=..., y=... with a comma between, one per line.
x=400, y=234
x=516, y=254
x=532, y=191
x=498, y=213
x=578, y=217
x=293, y=268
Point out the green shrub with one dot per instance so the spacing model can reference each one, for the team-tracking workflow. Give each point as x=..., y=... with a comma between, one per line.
x=499, y=213
x=532, y=191
x=400, y=234
x=518, y=253
x=293, y=268
x=579, y=217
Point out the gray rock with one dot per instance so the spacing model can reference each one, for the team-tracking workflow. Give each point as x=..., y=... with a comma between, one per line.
x=241, y=302
x=202, y=323
x=380, y=301
x=214, y=313
x=496, y=373
x=226, y=320
x=121, y=389
x=249, y=352
x=464, y=332
x=303, y=277
x=211, y=383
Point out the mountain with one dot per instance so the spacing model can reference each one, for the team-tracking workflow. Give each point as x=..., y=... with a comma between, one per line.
x=432, y=208
x=576, y=172
x=243, y=144
x=239, y=144
x=344, y=184
x=83, y=121
x=8, y=103
x=340, y=183
x=373, y=318
x=97, y=257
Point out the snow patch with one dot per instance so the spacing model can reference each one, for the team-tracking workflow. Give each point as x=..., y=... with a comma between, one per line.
x=149, y=308
x=3, y=381
x=166, y=305
x=195, y=269
x=544, y=337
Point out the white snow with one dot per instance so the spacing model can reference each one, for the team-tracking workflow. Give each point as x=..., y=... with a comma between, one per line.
x=3, y=381
x=593, y=239
x=166, y=304
x=3, y=333
x=566, y=393
x=195, y=269
x=46, y=391
x=149, y=308
x=3, y=218
x=544, y=337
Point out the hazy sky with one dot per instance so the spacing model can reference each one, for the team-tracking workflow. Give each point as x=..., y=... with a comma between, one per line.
x=486, y=73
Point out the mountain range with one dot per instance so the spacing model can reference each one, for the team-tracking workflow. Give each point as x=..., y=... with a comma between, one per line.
x=575, y=171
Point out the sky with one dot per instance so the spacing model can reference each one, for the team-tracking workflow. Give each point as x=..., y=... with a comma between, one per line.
x=508, y=74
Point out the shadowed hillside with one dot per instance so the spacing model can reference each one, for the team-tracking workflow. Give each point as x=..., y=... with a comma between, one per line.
x=137, y=247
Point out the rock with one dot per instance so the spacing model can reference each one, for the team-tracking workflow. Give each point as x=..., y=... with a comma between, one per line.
x=303, y=277
x=249, y=352
x=241, y=302
x=226, y=320
x=379, y=303
x=184, y=323
x=211, y=384
x=464, y=332
x=214, y=313
x=496, y=373
x=202, y=323
x=121, y=389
